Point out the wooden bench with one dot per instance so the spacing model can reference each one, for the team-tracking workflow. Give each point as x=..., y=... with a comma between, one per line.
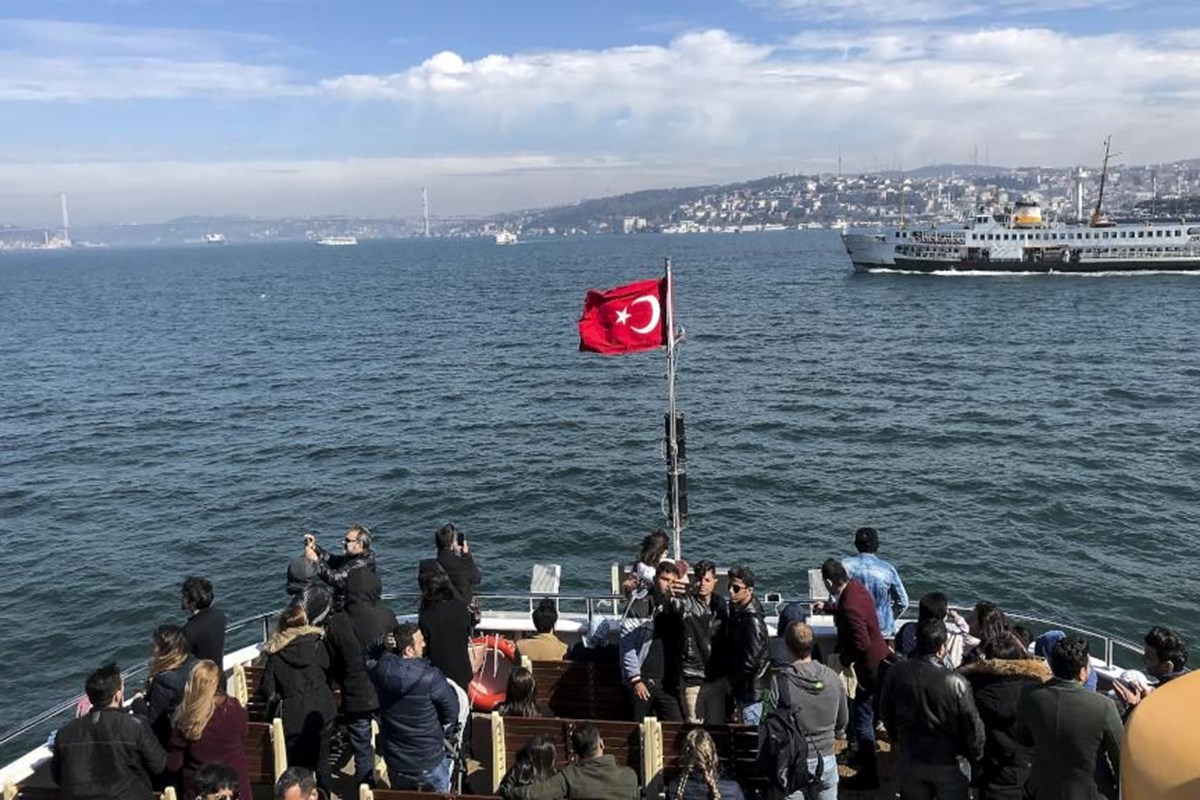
x=507, y=735
x=266, y=752
x=367, y=793
x=52, y=793
x=581, y=689
x=737, y=747
x=244, y=681
x=243, y=684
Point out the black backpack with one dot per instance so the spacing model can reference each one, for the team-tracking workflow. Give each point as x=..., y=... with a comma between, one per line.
x=784, y=747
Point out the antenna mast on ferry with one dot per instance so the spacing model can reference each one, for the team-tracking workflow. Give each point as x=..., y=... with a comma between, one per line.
x=1097, y=219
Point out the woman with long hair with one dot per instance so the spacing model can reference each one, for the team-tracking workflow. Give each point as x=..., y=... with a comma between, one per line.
x=170, y=665
x=519, y=697
x=987, y=622
x=295, y=684
x=997, y=682
x=641, y=573
x=445, y=622
x=534, y=763
x=700, y=776
x=210, y=727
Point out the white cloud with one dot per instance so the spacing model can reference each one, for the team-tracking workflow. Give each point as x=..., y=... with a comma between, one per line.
x=875, y=12
x=55, y=60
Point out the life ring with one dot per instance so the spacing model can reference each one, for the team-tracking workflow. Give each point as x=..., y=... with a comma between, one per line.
x=490, y=685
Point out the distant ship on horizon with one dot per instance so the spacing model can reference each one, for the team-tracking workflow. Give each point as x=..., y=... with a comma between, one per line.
x=214, y=238
x=506, y=237
x=337, y=241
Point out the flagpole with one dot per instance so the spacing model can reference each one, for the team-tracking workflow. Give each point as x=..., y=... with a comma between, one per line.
x=676, y=467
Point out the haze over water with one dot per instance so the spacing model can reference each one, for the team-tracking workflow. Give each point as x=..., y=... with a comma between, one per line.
x=167, y=412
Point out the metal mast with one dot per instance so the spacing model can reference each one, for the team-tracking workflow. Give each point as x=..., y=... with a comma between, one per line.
x=676, y=447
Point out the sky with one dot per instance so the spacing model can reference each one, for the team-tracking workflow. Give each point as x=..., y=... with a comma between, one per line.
x=144, y=110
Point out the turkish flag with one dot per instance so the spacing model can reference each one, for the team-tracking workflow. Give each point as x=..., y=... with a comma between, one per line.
x=625, y=319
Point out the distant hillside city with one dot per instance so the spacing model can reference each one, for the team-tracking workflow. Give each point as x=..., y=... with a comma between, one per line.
x=941, y=194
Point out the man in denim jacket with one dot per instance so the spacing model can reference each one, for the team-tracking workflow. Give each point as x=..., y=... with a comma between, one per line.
x=880, y=578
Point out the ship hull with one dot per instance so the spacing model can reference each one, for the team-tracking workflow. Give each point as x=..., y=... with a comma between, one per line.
x=1125, y=266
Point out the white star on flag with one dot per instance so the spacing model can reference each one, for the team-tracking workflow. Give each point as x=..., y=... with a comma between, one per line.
x=623, y=316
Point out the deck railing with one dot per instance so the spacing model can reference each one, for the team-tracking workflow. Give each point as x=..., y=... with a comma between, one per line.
x=590, y=605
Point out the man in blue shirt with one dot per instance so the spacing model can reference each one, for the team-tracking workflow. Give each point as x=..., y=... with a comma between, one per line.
x=880, y=578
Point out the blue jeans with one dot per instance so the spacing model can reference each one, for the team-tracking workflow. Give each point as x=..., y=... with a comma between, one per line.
x=434, y=779
x=827, y=789
x=862, y=725
x=358, y=730
x=751, y=712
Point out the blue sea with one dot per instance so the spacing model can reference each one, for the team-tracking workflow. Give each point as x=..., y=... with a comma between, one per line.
x=193, y=410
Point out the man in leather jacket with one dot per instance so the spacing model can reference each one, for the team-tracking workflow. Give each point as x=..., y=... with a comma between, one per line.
x=334, y=569
x=705, y=616
x=748, y=659
x=930, y=715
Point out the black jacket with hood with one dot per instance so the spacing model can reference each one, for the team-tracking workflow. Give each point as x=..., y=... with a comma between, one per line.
x=296, y=671
x=997, y=684
x=365, y=621
x=815, y=691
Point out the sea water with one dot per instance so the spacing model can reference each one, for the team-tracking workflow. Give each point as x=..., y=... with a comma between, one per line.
x=192, y=411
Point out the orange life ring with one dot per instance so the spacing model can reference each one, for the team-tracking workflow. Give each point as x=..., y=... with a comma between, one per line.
x=490, y=685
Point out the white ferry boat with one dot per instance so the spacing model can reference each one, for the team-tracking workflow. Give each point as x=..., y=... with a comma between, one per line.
x=214, y=238
x=506, y=237
x=337, y=241
x=1016, y=240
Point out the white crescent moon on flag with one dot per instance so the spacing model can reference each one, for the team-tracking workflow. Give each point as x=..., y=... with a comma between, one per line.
x=654, y=311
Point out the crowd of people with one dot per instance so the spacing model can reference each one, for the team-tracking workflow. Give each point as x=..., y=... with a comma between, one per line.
x=963, y=703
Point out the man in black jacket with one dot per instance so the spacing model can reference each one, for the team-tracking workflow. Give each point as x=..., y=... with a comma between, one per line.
x=930, y=715
x=334, y=569
x=455, y=559
x=705, y=614
x=205, y=628
x=748, y=659
x=348, y=634
x=108, y=754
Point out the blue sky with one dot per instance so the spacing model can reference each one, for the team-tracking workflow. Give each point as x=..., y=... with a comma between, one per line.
x=146, y=109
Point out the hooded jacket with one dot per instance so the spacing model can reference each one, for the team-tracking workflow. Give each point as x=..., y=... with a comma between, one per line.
x=816, y=692
x=416, y=705
x=929, y=712
x=748, y=659
x=348, y=634
x=997, y=684
x=297, y=663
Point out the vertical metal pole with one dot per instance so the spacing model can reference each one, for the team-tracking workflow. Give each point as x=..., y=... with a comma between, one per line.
x=672, y=443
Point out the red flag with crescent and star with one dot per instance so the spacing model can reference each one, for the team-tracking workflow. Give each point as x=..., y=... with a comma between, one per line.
x=625, y=319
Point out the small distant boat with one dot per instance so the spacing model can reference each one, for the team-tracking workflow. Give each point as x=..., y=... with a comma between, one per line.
x=506, y=237
x=337, y=241
x=214, y=238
